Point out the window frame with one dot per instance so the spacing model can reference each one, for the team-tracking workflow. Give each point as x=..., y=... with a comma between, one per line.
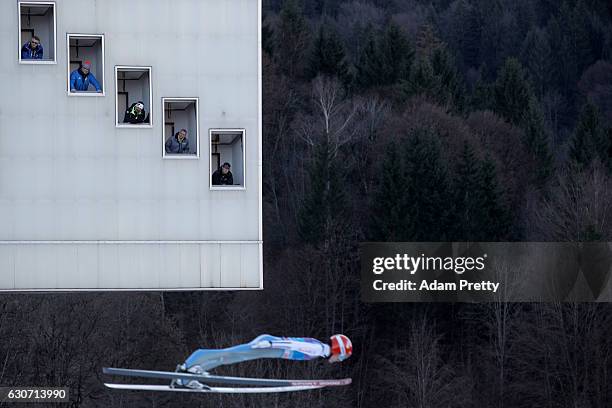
x=242, y=131
x=53, y=5
x=170, y=156
x=134, y=126
x=103, y=83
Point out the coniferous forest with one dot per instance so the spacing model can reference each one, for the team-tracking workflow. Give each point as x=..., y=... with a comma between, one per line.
x=386, y=120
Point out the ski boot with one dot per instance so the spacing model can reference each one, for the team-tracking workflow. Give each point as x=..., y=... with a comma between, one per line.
x=192, y=384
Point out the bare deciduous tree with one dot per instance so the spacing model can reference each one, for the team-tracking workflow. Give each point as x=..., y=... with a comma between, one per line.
x=579, y=207
x=417, y=373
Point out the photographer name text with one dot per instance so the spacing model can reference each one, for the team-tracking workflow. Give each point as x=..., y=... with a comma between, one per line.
x=414, y=264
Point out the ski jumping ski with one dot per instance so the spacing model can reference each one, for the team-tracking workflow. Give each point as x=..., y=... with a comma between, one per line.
x=209, y=390
x=193, y=375
x=261, y=385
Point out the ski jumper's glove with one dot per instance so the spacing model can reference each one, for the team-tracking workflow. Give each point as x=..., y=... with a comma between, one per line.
x=262, y=344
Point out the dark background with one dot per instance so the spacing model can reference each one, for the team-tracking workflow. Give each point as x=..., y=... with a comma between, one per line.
x=386, y=120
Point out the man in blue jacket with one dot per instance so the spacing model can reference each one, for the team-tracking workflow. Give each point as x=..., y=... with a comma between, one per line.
x=81, y=78
x=33, y=49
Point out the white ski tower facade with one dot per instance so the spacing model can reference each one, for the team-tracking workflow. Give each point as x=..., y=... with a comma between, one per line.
x=92, y=198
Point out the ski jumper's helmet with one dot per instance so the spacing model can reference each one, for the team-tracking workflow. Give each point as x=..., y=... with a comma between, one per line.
x=341, y=346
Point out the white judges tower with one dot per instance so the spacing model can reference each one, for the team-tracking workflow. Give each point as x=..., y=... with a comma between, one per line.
x=91, y=199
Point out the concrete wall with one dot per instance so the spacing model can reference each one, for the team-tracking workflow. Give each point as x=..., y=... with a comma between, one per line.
x=72, y=183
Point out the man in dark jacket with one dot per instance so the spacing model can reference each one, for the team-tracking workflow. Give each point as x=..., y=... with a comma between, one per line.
x=33, y=49
x=223, y=176
x=178, y=144
x=81, y=78
x=136, y=113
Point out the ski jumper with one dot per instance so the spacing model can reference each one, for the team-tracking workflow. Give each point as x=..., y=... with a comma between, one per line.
x=264, y=346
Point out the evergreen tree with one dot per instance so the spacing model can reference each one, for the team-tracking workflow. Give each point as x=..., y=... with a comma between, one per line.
x=396, y=54
x=502, y=37
x=328, y=56
x=387, y=209
x=481, y=213
x=512, y=92
x=384, y=59
x=536, y=56
x=428, y=209
x=292, y=39
x=466, y=32
x=369, y=66
x=578, y=36
x=499, y=34
x=537, y=141
x=437, y=78
x=467, y=187
x=589, y=140
x=557, y=72
x=515, y=101
x=414, y=201
x=451, y=86
x=422, y=80
x=571, y=45
x=526, y=15
x=482, y=95
x=427, y=41
x=323, y=211
x=494, y=216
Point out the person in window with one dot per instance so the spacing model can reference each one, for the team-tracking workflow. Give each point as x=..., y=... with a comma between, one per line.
x=136, y=114
x=223, y=176
x=178, y=144
x=33, y=49
x=81, y=78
